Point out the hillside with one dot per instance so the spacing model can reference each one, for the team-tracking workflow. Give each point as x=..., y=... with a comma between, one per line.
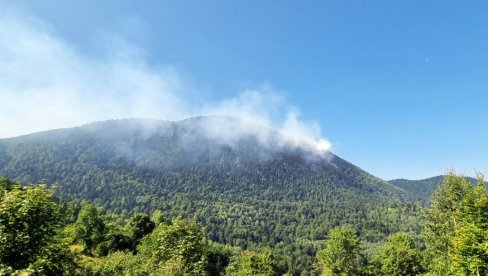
x=244, y=191
x=423, y=189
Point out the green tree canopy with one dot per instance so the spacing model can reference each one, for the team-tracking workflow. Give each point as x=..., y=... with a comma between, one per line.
x=89, y=228
x=439, y=224
x=342, y=253
x=29, y=223
x=469, y=240
x=251, y=263
x=456, y=232
x=174, y=246
x=399, y=256
x=140, y=225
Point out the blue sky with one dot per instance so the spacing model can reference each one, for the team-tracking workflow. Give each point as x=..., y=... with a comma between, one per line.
x=398, y=87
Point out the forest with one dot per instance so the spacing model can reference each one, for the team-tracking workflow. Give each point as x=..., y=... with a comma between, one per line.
x=244, y=194
x=42, y=234
x=243, y=138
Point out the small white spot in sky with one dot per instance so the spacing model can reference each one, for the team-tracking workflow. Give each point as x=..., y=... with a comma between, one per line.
x=427, y=60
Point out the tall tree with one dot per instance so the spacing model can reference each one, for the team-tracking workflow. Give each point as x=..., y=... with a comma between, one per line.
x=440, y=222
x=89, y=228
x=342, y=253
x=469, y=239
x=456, y=232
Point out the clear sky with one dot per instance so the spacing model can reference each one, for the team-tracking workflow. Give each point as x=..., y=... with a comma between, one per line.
x=399, y=88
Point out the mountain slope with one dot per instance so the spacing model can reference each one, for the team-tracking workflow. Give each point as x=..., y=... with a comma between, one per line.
x=246, y=190
x=423, y=189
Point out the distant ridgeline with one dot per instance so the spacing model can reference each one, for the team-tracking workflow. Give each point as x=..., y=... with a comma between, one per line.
x=243, y=191
x=422, y=190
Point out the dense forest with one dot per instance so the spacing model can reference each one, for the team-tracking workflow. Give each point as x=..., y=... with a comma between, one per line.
x=241, y=200
x=245, y=193
x=44, y=235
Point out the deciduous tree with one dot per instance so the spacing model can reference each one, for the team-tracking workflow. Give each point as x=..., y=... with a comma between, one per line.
x=342, y=253
x=399, y=256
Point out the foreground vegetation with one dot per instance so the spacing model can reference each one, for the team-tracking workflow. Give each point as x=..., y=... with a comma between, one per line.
x=44, y=236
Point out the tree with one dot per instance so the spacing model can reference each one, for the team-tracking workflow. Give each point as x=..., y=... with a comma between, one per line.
x=29, y=219
x=456, y=232
x=178, y=245
x=89, y=228
x=469, y=254
x=251, y=263
x=342, y=253
x=399, y=256
x=114, y=239
x=139, y=226
x=29, y=223
x=218, y=257
x=440, y=222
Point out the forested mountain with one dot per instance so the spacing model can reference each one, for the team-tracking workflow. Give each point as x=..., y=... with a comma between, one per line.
x=244, y=189
x=423, y=189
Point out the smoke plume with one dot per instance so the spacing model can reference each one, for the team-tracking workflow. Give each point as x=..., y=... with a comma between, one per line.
x=46, y=83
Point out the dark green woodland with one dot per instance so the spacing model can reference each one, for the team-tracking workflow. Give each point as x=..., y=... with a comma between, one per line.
x=149, y=197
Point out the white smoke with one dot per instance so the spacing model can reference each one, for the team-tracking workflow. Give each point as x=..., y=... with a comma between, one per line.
x=47, y=83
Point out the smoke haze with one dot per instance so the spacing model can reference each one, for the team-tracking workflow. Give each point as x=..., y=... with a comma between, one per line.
x=46, y=83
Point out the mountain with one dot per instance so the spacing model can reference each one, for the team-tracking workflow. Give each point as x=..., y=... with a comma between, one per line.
x=243, y=182
x=422, y=190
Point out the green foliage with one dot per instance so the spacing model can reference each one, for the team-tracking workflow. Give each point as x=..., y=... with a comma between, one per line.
x=114, y=239
x=399, y=256
x=5, y=185
x=54, y=259
x=140, y=225
x=29, y=223
x=251, y=263
x=246, y=195
x=469, y=240
x=456, y=223
x=100, y=235
x=90, y=228
x=342, y=253
x=117, y=263
x=456, y=232
x=158, y=218
x=178, y=246
x=219, y=257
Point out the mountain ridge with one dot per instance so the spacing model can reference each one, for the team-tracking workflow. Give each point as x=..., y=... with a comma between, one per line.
x=242, y=191
x=423, y=189
x=146, y=129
